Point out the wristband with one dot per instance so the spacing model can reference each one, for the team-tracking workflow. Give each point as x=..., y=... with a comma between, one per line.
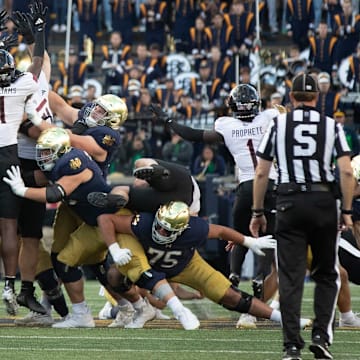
x=257, y=212
x=346, y=212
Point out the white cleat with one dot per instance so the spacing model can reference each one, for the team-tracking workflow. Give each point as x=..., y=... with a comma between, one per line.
x=246, y=321
x=305, y=323
x=105, y=312
x=9, y=298
x=353, y=323
x=35, y=319
x=123, y=317
x=76, y=321
x=188, y=320
x=159, y=315
x=141, y=316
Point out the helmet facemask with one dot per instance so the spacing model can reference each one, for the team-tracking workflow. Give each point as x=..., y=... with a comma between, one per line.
x=170, y=221
x=108, y=110
x=7, y=68
x=51, y=145
x=244, y=102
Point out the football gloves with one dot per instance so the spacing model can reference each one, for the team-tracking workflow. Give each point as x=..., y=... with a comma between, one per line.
x=160, y=113
x=23, y=26
x=15, y=181
x=38, y=14
x=257, y=244
x=120, y=256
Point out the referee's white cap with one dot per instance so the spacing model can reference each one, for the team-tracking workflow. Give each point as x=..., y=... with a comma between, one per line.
x=304, y=83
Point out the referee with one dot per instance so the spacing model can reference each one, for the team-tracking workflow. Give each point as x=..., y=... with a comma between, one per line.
x=304, y=145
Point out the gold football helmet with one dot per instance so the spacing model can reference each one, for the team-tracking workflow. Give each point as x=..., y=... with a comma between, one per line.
x=51, y=145
x=170, y=221
x=355, y=163
x=108, y=110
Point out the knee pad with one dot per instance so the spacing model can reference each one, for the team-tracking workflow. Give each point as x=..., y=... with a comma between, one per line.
x=244, y=304
x=100, y=271
x=65, y=272
x=47, y=280
x=149, y=278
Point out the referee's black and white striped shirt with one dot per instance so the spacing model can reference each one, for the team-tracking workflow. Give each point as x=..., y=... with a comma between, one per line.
x=304, y=144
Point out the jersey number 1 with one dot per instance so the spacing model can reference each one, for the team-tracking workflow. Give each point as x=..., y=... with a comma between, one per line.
x=2, y=110
x=250, y=145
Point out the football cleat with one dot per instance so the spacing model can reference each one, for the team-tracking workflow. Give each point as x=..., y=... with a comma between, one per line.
x=105, y=200
x=141, y=316
x=124, y=316
x=75, y=321
x=258, y=288
x=105, y=312
x=352, y=323
x=235, y=279
x=292, y=353
x=188, y=320
x=149, y=172
x=159, y=315
x=9, y=298
x=246, y=321
x=35, y=319
x=320, y=348
x=28, y=300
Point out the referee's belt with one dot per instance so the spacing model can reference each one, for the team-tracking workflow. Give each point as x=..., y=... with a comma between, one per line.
x=290, y=188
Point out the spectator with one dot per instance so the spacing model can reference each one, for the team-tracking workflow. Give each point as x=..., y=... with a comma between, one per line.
x=185, y=14
x=75, y=97
x=124, y=19
x=299, y=21
x=200, y=37
x=353, y=73
x=178, y=150
x=328, y=100
x=115, y=56
x=167, y=96
x=153, y=14
x=323, y=49
x=351, y=136
x=59, y=8
x=208, y=87
x=347, y=29
x=136, y=149
x=208, y=162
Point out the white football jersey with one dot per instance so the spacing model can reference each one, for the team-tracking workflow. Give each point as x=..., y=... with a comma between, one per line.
x=242, y=140
x=26, y=145
x=12, y=104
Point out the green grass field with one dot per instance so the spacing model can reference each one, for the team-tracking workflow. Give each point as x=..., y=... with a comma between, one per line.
x=217, y=338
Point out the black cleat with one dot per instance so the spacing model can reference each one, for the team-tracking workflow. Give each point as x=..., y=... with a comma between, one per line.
x=105, y=200
x=320, y=349
x=149, y=172
x=28, y=300
x=235, y=279
x=258, y=288
x=292, y=353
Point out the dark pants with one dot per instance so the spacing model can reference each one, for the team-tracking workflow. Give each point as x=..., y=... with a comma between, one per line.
x=241, y=219
x=302, y=219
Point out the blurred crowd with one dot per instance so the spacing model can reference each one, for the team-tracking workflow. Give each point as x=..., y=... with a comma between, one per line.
x=187, y=54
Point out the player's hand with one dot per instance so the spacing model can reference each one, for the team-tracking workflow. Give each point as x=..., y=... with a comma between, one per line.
x=15, y=181
x=120, y=256
x=38, y=14
x=263, y=242
x=159, y=113
x=3, y=18
x=8, y=41
x=23, y=26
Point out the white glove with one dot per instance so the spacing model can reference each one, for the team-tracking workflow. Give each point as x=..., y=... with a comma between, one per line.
x=120, y=256
x=31, y=112
x=15, y=181
x=256, y=244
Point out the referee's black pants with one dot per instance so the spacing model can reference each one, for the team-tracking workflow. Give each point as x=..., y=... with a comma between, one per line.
x=301, y=219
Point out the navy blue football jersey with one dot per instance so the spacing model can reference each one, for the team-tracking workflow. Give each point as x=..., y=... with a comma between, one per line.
x=172, y=258
x=72, y=163
x=108, y=139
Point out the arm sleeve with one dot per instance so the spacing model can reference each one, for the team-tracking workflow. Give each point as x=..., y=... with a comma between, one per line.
x=187, y=133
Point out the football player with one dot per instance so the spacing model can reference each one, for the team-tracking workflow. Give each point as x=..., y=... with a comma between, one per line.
x=170, y=238
x=15, y=89
x=72, y=174
x=241, y=133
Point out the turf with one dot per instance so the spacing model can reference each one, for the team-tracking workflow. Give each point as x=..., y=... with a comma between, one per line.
x=217, y=338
